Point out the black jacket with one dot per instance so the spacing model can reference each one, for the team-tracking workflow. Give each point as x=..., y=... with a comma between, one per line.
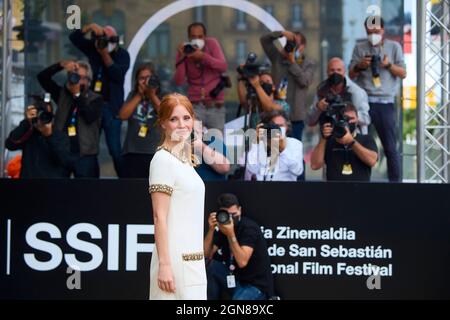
x=42, y=157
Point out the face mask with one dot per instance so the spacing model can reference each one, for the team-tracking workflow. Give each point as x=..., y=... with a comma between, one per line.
x=111, y=47
x=352, y=127
x=268, y=88
x=375, y=38
x=199, y=43
x=335, y=79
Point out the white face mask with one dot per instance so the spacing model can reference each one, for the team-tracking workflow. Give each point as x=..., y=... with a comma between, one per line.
x=375, y=39
x=199, y=43
x=111, y=47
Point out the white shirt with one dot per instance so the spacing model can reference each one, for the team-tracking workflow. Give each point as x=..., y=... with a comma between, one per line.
x=288, y=167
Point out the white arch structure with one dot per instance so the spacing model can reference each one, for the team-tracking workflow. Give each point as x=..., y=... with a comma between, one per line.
x=181, y=5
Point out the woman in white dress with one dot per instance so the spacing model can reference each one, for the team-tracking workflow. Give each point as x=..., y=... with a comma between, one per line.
x=177, y=269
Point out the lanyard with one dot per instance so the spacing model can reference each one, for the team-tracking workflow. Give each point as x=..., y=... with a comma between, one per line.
x=231, y=266
x=100, y=72
x=73, y=119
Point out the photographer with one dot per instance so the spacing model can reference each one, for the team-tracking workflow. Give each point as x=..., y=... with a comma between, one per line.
x=348, y=155
x=201, y=63
x=78, y=114
x=260, y=89
x=109, y=63
x=290, y=64
x=141, y=111
x=378, y=66
x=45, y=151
x=238, y=262
x=276, y=157
x=341, y=88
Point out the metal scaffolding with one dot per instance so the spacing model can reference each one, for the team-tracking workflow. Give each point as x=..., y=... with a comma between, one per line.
x=6, y=79
x=433, y=78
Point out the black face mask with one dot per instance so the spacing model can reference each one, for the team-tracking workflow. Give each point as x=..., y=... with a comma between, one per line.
x=352, y=127
x=335, y=79
x=268, y=88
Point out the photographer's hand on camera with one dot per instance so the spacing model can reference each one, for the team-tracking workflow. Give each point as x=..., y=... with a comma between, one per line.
x=212, y=220
x=364, y=63
x=322, y=105
x=69, y=65
x=98, y=30
x=31, y=113
x=326, y=130
x=227, y=229
x=386, y=63
x=46, y=129
x=197, y=55
x=347, y=139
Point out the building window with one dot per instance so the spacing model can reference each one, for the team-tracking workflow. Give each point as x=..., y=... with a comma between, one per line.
x=199, y=14
x=159, y=42
x=241, y=20
x=241, y=51
x=297, y=16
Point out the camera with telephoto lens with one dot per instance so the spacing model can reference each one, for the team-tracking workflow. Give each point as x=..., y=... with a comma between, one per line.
x=334, y=115
x=290, y=46
x=154, y=82
x=73, y=78
x=249, y=70
x=375, y=65
x=41, y=104
x=102, y=40
x=225, y=82
x=223, y=217
x=188, y=48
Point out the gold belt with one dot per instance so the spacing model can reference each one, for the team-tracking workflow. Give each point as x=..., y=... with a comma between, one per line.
x=192, y=256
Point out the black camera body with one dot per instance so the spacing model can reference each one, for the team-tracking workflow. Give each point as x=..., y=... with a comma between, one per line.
x=73, y=78
x=290, y=46
x=154, y=82
x=102, y=41
x=271, y=129
x=249, y=70
x=225, y=82
x=335, y=116
x=188, y=48
x=223, y=217
x=375, y=65
x=41, y=104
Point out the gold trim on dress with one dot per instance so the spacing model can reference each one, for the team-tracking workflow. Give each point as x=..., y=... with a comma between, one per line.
x=193, y=256
x=160, y=188
x=194, y=161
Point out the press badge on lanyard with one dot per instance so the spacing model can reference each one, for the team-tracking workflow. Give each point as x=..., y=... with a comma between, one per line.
x=143, y=130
